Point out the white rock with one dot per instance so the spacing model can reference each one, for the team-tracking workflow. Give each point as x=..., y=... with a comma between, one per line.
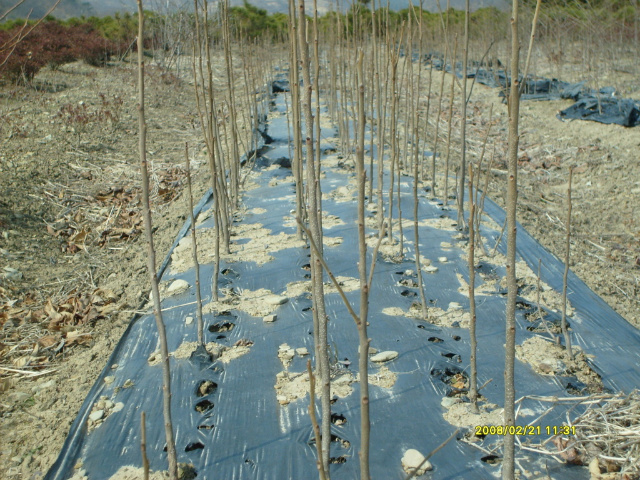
x=108, y=404
x=287, y=354
x=275, y=299
x=384, y=356
x=284, y=346
x=43, y=386
x=445, y=245
x=412, y=459
x=270, y=318
x=454, y=306
x=109, y=380
x=302, y=351
x=442, y=259
x=97, y=415
x=448, y=402
x=409, y=273
x=430, y=269
x=117, y=407
x=282, y=400
x=178, y=286
x=188, y=320
x=19, y=397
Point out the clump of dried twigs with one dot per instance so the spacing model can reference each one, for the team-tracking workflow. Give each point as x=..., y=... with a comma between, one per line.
x=611, y=432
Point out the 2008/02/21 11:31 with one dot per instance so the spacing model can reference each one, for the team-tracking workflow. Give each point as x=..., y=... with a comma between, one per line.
x=524, y=430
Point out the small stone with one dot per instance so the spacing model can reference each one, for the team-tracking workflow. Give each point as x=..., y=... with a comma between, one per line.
x=282, y=400
x=430, y=269
x=19, y=397
x=178, y=286
x=108, y=404
x=188, y=320
x=97, y=415
x=270, y=318
x=445, y=245
x=117, y=407
x=114, y=366
x=128, y=383
x=302, y=351
x=284, y=346
x=384, y=356
x=275, y=299
x=454, y=306
x=287, y=354
x=448, y=402
x=43, y=386
x=109, y=380
x=412, y=461
x=442, y=259
x=409, y=273
x=100, y=405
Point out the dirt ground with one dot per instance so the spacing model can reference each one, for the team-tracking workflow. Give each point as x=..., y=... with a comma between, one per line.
x=73, y=262
x=72, y=256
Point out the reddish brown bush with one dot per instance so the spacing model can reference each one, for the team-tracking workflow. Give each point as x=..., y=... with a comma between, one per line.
x=51, y=44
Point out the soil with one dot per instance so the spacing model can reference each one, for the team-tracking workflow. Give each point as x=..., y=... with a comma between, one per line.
x=74, y=262
x=70, y=218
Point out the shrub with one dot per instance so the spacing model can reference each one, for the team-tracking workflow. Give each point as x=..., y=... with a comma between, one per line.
x=53, y=44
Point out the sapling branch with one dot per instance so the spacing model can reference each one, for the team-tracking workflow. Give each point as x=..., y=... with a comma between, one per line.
x=314, y=420
x=151, y=259
x=143, y=445
x=567, y=254
x=194, y=247
x=473, y=380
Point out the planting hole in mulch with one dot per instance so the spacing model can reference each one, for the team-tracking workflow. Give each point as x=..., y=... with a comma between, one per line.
x=206, y=387
x=203, y=406
x=194, y=446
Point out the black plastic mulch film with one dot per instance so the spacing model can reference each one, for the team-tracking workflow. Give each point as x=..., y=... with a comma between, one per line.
x=240, y=431
x=602, y=105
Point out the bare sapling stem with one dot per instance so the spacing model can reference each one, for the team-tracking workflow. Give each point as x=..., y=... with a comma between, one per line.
x=450, y=124
x=151, y=259
x=207, y=118
x=143, y=445
x=316, y=79
x=381, y=129
x=314, y=420
x=473, y=380
x=315, y=223
x=393, y=137
x=373, y=95
x=480, y=204
x=463, y=126
x=416, y=163
x=363, y=360
x=508, y=463
x=567, y=253
x=194, y=246
x=234, y=159
x=294, y=82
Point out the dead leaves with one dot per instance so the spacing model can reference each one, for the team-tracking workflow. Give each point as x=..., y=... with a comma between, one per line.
x=78, y=309
x=567, y=451
x=32, y=337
